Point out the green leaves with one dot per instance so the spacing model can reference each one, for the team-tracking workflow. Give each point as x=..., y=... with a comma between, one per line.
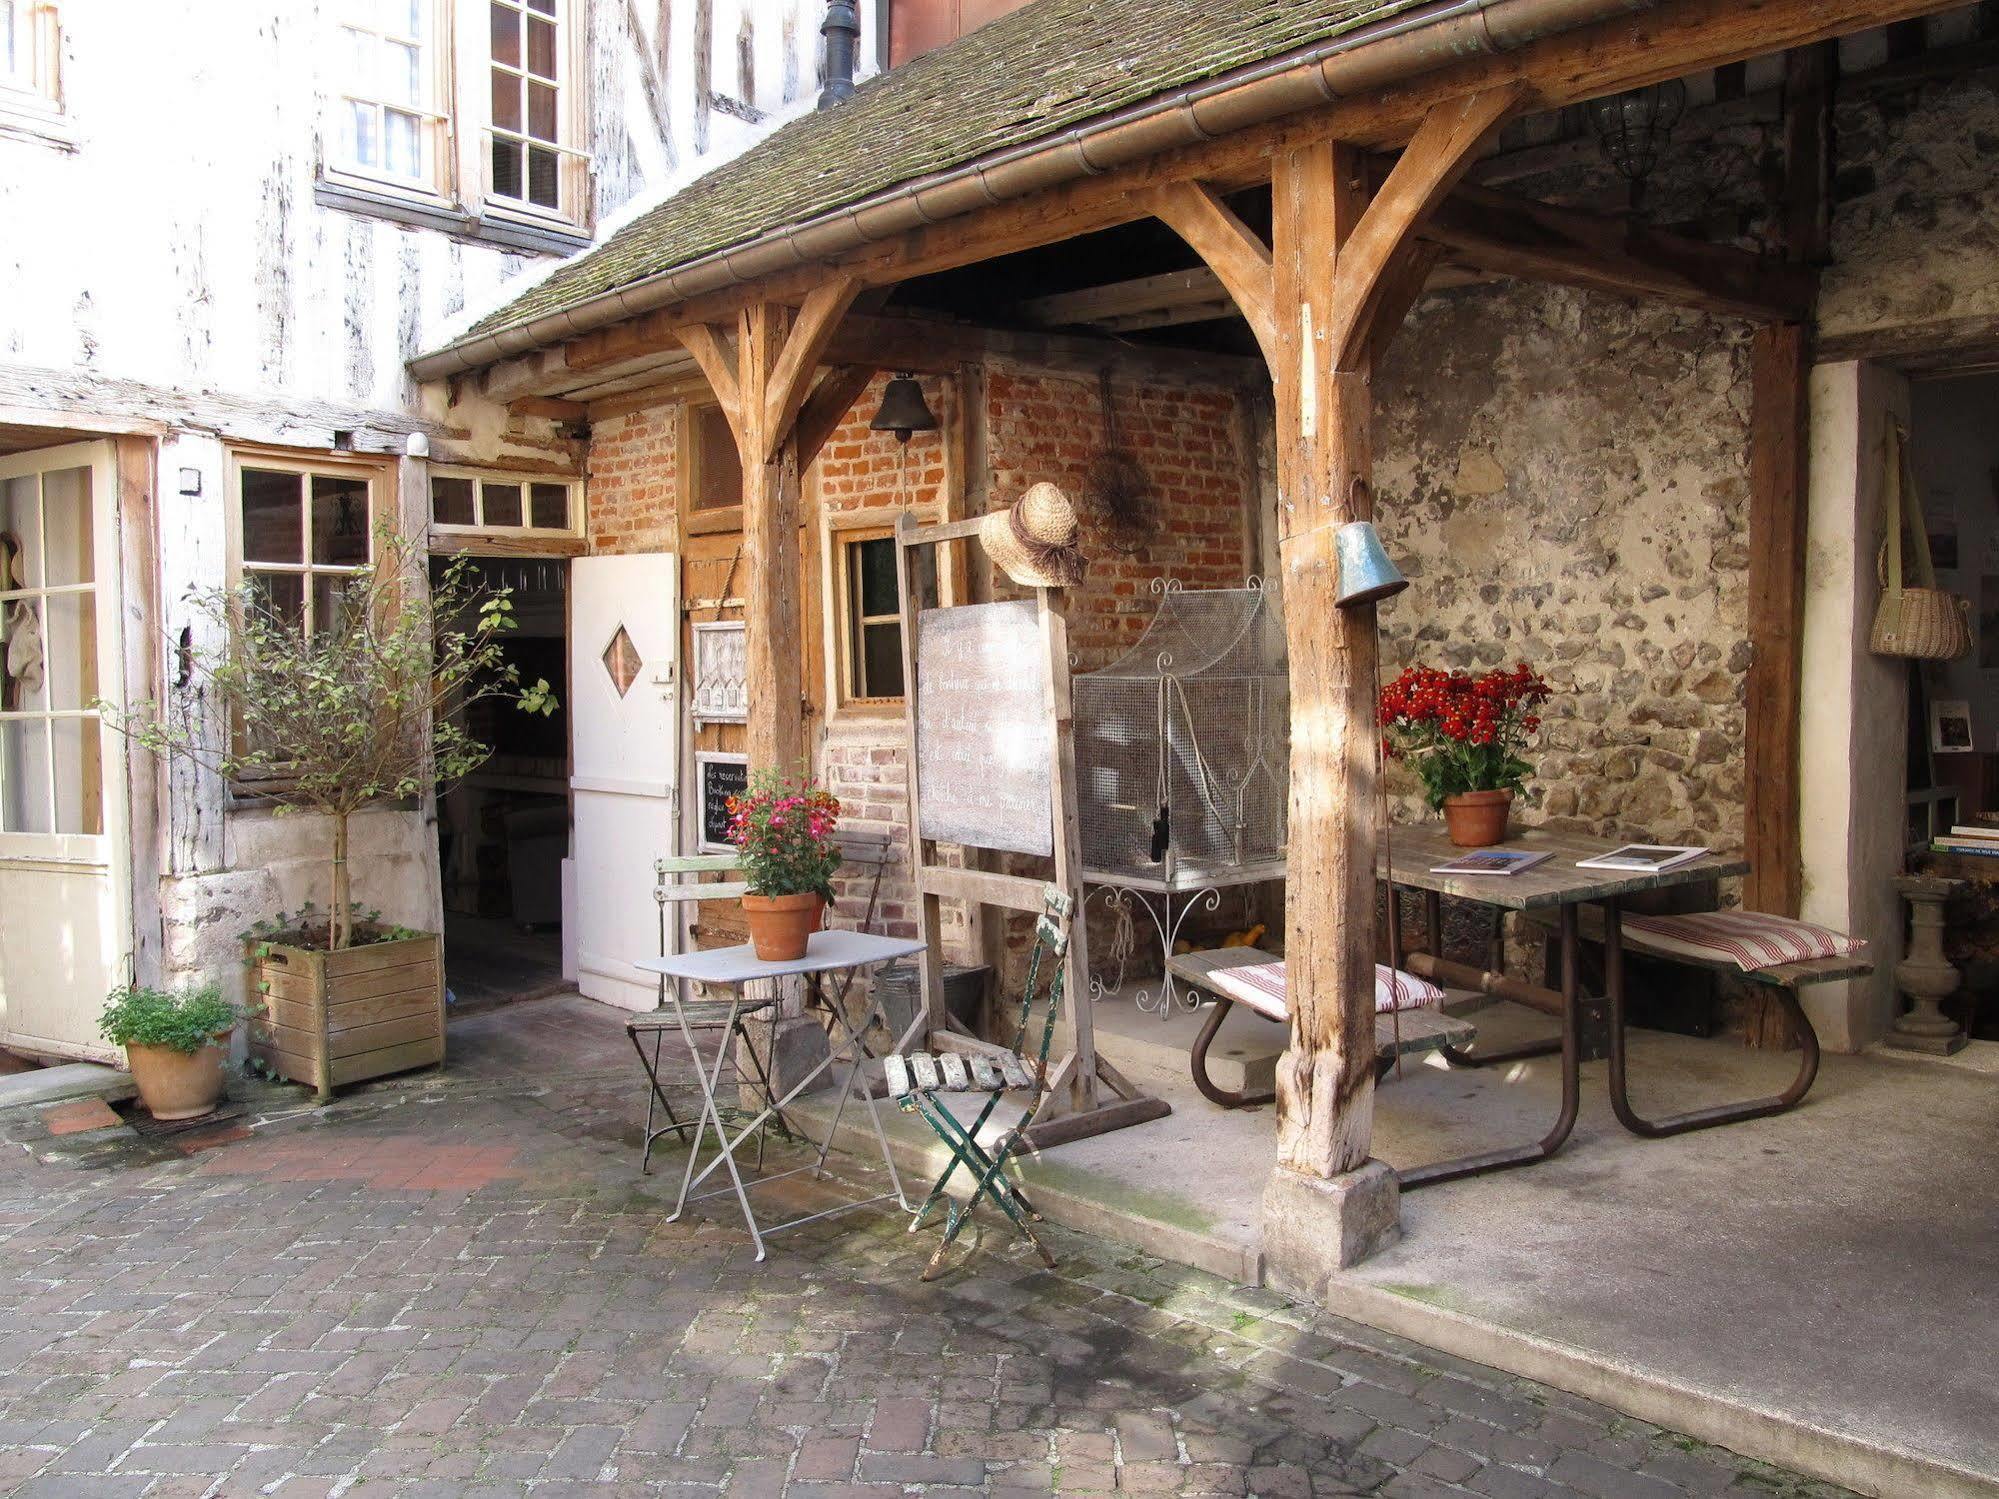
x=184, y=1021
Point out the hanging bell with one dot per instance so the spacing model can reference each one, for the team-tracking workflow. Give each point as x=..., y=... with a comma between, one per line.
x=903, y=409
x=1366, y=574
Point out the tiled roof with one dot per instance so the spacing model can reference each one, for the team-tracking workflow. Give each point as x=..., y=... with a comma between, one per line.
x=1031, y=74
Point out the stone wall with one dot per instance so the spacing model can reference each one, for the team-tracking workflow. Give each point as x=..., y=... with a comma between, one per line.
x=1564, y=478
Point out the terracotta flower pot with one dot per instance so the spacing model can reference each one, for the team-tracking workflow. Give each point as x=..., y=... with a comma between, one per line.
x=178, y=1084
x=781, y=925
x=1477, y=819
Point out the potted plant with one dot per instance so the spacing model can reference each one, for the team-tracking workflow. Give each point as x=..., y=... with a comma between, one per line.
x=1463, y=734
x=365, y=708
x=177, y=1045
x=784, y=829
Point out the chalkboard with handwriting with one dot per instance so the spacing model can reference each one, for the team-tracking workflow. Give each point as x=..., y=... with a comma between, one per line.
x=722, y=776
x=985, y=745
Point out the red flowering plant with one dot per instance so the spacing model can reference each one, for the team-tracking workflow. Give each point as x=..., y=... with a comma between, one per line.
x=1459, y=732
x=785, y=831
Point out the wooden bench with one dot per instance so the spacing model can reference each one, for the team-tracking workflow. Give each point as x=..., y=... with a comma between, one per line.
x=1410, y=1033
x=1782, y=981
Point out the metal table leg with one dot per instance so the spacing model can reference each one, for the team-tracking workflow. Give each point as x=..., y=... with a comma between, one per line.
x=1526, y=1155
x=1693, y=1119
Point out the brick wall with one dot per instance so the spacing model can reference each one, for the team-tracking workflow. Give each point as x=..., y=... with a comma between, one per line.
x=861, y=470
x=632, y=474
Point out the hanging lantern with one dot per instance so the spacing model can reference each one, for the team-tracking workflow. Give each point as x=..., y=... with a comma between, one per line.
x=903, y=409
x=1634, y=126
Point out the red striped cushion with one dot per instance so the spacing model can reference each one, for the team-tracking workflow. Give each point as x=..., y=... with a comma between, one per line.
x=1261, y=987
x=1748, y=939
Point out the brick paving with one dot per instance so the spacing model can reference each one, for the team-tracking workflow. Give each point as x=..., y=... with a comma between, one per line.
x=461, y=1286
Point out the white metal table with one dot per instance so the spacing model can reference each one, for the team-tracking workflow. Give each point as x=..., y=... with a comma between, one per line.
x=734, y=968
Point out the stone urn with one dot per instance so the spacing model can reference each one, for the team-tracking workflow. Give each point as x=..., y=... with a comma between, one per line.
x=1925, y=974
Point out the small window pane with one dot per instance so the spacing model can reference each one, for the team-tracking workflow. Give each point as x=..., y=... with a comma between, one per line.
x=541, y=111
x=79, y=786
x=506, y=35
x=881, y=660
x=24, y=777
x=541, y=47
x=70, y=649
x=500, y=504
x=874, y=568
x=331, y=593
x=24, y=675
x=405, y=16
x=544, y=189
x=402, y=74
x=549, y=506
x=20, y=533
x=339, y=520
x=68, y=522
x=281, y=596
x=272, y=529
x=545, y=7
x=451, y=501
x=506, y=101
x=506, y=169
x=403, y=154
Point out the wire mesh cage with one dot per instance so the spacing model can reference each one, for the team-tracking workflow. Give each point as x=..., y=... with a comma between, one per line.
x=1183, y=746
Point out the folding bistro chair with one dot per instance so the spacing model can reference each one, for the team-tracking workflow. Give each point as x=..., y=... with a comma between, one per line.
x=917, y=1079
x=671, y=892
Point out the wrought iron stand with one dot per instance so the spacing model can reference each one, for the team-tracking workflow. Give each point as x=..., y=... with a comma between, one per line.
x=1178, y=899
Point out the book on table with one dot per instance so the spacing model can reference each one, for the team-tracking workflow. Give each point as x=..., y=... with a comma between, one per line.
x=1976, y=830
x=1986, y=848
x=1644, y=858
x=1500, y=861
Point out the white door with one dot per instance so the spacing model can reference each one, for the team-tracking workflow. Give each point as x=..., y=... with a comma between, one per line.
x=65, y=912
x=624, y=639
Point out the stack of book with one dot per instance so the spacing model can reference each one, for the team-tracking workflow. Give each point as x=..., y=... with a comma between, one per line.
x=1969, y=838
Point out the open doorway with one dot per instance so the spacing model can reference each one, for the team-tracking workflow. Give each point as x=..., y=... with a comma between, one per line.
x=503, y=831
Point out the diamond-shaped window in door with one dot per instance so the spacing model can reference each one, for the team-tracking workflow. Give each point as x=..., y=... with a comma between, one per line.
x=621, y=660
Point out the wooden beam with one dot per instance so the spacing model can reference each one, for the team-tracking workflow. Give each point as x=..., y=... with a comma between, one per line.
x=706, y=345
x=1239, y=259
x=831, y=399
x=1516, y=236
x=1325, y=1079
x=1409, y=275
x=791, y=377
x=1778, y=455
x=1117, y=299
x=1808, y=87
x=551, y=408
x=1438, y=155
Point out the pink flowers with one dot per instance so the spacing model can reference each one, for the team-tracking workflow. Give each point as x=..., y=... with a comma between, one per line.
x=784, y=829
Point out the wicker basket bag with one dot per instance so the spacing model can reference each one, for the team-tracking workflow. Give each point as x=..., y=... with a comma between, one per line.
x=1921, y=621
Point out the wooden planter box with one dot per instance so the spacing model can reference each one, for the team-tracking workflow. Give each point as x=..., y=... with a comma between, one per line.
x=343, y=1017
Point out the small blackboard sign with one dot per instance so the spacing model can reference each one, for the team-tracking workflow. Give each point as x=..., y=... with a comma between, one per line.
x=721, y=777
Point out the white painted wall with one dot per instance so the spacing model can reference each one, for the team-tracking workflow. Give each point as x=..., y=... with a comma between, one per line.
x=1854, y=714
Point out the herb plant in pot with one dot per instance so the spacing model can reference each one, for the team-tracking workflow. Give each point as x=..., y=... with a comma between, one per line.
x=1462, y=735
x=784, y=829
x=177, y=1045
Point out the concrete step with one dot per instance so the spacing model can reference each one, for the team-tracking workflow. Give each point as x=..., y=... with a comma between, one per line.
x=1243, y=1058
x=60, y=1084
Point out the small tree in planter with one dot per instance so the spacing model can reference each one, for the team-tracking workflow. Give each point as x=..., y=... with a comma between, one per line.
x=360, y=711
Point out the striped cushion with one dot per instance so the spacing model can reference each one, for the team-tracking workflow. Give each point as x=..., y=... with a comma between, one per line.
x=1261, y=987
x=1748, y=939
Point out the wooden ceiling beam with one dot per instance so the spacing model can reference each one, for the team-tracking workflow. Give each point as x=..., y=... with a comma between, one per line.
x=1233, y=251
x=718, y=362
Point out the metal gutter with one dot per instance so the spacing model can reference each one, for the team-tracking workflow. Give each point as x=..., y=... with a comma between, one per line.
x=1365, y=60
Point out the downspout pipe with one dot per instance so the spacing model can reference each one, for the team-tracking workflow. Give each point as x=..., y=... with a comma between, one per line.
x=1366, y=60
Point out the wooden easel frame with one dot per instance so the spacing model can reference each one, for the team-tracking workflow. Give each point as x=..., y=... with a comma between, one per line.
x=1086, y=1095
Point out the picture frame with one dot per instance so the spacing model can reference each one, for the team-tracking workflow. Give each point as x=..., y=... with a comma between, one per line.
x=720, y=678
x=1950, y=727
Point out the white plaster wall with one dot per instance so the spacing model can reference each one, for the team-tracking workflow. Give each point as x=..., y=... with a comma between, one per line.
x=1854, y=713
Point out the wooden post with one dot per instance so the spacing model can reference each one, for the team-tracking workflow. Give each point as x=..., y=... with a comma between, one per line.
x=772, y=637
x=1325, y=1079
x=1778, y=423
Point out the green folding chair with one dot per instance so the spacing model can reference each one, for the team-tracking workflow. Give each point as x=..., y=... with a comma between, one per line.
x=920, y=1082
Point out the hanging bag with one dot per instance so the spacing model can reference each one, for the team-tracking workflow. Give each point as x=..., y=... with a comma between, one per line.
x=1923, y=621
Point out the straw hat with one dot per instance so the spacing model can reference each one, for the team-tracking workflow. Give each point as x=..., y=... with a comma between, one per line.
x=1034, y=541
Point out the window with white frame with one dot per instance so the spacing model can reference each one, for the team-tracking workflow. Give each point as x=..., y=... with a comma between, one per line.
x=528, y=146
x=871, y=619
x=463, y=500
x=30, y=50
x=386, y=121
x=301, y=531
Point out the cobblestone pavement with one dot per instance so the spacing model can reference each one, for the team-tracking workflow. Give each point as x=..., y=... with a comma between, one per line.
x=461, y=1286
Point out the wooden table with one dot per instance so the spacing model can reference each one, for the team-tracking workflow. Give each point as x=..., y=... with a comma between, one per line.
x=1408, y=857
